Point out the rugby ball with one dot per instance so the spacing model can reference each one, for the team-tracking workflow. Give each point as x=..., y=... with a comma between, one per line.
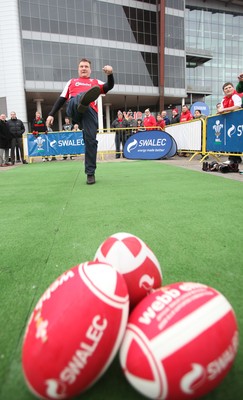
x=75, y=331
x=130, y=256
x=180, y=342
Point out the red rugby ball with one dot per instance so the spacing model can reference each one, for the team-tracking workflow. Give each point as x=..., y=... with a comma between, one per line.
x=180, y=342
x=130, y=256
x=75, y=331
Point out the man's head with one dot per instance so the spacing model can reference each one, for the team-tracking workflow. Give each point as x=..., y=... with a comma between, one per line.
x=67, y=120
x=147, y=112
x=84, y=68
x=119, y=114
x=13, y=115
x=163, y=114
x=37, y=115
x=159, y=117
x=3, y=117
x=185, y=108
x=228, y=89
x=197, y=114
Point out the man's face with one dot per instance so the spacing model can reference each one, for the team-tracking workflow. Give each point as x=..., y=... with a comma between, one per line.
x=84, y=69
x=3, y=117
x=13, y=115
x=228, y=90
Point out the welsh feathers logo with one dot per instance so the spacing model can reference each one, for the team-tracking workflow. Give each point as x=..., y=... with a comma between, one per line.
x=39, y=141
x=132, y=145
x=217, y=129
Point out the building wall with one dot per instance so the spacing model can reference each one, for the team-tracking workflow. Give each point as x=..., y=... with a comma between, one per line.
x=11, y=65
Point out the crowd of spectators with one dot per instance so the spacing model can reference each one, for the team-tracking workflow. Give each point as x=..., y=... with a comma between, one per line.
x=124, y=125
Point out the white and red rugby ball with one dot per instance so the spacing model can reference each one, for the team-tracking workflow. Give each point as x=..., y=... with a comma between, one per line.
x=130, y=256
x=180, y=342
x=75, y=331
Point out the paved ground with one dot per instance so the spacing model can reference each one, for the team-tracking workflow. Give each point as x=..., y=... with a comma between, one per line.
x=183, y=162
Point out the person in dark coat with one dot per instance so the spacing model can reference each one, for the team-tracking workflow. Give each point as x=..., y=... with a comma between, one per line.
x=119, y=124
x=5, y=141
x=16, y=128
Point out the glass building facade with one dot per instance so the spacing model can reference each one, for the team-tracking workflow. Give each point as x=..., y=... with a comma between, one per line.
x=163, y=52
x=219, y=32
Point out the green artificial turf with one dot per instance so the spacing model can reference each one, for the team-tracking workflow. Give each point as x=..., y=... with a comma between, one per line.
x=51, y=221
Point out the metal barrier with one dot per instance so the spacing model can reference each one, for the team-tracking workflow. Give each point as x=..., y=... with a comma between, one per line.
x=214, y=135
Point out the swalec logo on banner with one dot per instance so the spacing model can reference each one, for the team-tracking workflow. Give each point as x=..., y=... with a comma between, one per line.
x=150, y=145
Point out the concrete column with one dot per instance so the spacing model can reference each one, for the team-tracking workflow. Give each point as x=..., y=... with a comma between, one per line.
x=38, y=105
x=108, y=116
x=59, y=116
x=100, y=113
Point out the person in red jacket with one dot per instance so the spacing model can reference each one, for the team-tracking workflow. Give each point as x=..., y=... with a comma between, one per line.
x=231, y=101
x=149, y=120
x=185, y=114
x=160, y=122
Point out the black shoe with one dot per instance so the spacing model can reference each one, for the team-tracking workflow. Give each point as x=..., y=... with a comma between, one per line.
x=90, y=179
x=205, y=166
x=87, y=98
x=25, y=162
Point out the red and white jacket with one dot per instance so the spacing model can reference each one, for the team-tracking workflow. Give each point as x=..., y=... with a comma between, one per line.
x=78, y=85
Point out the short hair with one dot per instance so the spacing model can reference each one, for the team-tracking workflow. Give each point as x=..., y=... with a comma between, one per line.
x=198, y=111
x=85, y=60
x=226, y=84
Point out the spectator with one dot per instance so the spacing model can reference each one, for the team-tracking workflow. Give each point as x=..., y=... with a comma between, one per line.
x=140, y=126
x=160, y=122
x=39, y=126
x=5, y=142
x=82, y=108
x=165, y=117
x=149, y=121
x=230, y=102
x=119, y=124
x=16, y=128
x=131, y=123
x=198, y=114
x=185, y=114
x=76, y=127
x=218, y=105
x=175, y=116
x=68, y=126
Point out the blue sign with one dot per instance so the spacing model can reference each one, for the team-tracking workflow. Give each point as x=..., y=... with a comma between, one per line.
x=150, y=145
x=53, y=144
x=200, y=105
x=225, y=132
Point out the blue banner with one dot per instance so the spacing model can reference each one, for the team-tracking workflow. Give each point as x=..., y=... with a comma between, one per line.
x=150, y=145
x=200, y=105
x=225, y=132
x=54, y=144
